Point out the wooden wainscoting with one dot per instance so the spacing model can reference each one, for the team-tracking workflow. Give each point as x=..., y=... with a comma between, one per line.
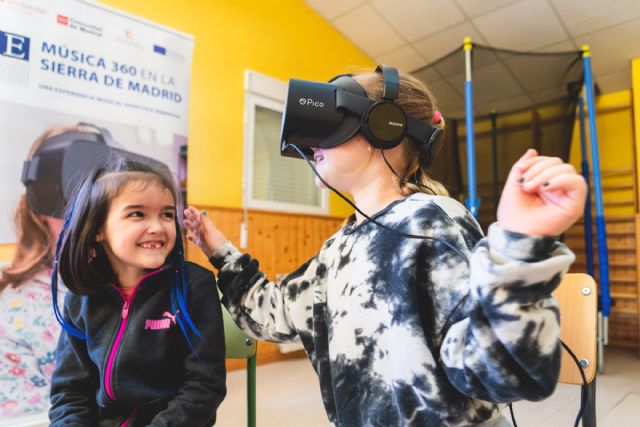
x=622, y=245
x=281, y=242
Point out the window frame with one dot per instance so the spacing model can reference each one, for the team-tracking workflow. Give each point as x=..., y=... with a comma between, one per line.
x=269, y=93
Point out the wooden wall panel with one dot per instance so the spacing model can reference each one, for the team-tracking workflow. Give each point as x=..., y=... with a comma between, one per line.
x=281, y=243
x=623, y=251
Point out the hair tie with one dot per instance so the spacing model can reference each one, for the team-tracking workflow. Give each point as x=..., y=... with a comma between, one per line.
x=437, y=117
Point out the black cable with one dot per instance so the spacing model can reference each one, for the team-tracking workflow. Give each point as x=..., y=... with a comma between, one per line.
x=513, y=417
x=583, y=397
x=399, y=233
x=426, y=187
x=583, y=392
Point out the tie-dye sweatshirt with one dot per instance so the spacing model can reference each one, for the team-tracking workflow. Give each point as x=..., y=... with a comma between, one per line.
x=413, y=332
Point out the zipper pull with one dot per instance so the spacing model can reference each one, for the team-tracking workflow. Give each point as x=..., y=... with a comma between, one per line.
x=125, y=310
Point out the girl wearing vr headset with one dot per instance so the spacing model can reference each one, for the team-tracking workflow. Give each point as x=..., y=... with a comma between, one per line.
x=28, y=330
x=143, y=340
x=409, y=316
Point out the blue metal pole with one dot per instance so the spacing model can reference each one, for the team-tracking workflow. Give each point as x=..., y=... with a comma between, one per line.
x=588, y=224
x=601, y=231
x=472, y=201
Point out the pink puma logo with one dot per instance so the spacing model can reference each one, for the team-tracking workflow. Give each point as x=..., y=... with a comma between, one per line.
x=164, y=323
x=170, y=316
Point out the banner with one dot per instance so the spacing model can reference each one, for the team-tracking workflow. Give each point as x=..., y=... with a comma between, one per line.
x=68, y=61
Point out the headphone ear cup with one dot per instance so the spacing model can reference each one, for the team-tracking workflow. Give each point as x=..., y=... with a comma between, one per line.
x=384, y=125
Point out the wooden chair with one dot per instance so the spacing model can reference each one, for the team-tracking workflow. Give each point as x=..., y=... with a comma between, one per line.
x=577, y=298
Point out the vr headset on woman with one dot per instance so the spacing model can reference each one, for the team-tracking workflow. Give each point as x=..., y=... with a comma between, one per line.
x=63, y=162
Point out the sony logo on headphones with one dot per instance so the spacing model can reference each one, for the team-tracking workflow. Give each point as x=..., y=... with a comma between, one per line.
x=310, y=102
x=396, y=124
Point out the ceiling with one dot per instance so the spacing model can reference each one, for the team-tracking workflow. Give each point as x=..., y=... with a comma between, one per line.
x=410, y=34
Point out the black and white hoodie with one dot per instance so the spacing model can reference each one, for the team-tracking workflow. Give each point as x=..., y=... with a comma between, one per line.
x=410, y=332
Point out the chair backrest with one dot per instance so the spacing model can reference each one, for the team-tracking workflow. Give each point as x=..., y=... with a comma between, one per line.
x=238, y=344
x=241, y=346
x=577, y=298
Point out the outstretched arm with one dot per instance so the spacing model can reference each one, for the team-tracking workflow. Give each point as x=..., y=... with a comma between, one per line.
x=507, y=348
x=261, y=308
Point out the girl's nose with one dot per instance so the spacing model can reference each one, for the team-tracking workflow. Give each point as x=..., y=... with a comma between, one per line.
x=155, y=227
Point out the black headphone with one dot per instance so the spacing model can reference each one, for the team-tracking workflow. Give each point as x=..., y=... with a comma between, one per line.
x=385, y=124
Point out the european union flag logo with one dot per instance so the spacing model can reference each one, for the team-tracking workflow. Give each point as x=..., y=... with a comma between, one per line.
x=159, y=49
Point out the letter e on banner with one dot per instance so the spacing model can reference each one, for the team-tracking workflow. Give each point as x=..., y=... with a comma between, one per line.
x=14, y=46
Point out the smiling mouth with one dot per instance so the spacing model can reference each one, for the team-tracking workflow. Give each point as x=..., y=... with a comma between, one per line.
x=151, y=245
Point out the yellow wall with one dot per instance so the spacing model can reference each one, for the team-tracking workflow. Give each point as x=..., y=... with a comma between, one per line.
x=616, y=148
x=282, y=39
x=6, y=252
x=635, y=83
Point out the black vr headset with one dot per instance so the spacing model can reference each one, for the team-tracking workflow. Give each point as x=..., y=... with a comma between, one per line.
x=325, y=115
x=63, y=162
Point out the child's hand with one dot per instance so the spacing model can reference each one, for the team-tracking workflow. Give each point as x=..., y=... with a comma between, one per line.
x=202, y=231
x=542, y=196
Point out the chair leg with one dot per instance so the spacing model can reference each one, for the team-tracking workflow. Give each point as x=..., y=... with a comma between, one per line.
x=600, y=343
x=589, y=416
x=251, y=391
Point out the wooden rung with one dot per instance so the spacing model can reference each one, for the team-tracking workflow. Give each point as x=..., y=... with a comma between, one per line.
x=611, y=218
x=614, y=234
x=617, y=187
x=612, y=203
x=623, y=295
x=609, y=248
x=623, y=343
x=627, y=311
x=611, y=264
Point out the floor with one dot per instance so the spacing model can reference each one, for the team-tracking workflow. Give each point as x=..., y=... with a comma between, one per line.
x=288, y=396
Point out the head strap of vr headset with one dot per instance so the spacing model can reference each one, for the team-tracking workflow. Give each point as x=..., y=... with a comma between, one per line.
x=391, y=85
x=101, y=132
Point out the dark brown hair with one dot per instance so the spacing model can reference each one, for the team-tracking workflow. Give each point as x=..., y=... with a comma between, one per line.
x=84, y=267
x=83, y=264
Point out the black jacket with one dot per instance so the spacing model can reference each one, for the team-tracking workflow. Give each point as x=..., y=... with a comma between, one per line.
x=136, y=365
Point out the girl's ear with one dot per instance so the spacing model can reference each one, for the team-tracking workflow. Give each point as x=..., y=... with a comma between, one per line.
x=99, y=237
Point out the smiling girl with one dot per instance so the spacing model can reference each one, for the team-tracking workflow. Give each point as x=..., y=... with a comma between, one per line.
x=143, y=338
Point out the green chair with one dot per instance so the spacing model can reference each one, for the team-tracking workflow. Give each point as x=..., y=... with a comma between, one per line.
x=241, y=346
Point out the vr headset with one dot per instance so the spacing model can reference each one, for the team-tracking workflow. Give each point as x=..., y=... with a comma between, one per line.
x=325, y=115
x=63, y=162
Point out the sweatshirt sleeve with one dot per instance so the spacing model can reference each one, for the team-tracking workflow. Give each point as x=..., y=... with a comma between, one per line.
x=507, y=348
x=74, y=383
x=203, y=386
x=266, y=310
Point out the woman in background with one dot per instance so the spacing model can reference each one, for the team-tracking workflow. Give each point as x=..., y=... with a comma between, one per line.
x=28, y=328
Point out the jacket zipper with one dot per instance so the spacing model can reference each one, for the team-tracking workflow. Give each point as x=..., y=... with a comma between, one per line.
x=123, y=325
x=129, y=418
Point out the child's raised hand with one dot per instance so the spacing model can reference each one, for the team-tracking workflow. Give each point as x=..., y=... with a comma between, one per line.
x=202, y=232
x=543, y=196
